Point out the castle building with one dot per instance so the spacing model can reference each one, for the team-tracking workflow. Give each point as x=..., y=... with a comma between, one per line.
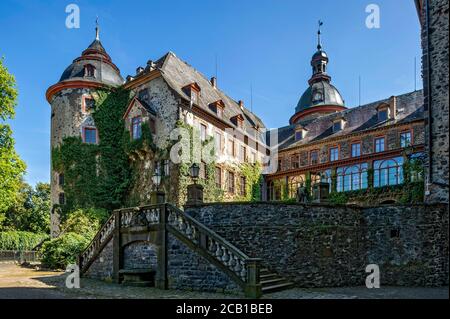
x=350, y=149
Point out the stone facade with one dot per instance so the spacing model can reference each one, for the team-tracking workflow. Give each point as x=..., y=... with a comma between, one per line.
x=140, y=255
x=434, y=20
x=188, y=271
x=318, y=246
x=102, y=267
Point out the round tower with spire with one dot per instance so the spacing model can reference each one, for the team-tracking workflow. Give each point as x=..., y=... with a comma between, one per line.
x=72, y=101
x=321, y=97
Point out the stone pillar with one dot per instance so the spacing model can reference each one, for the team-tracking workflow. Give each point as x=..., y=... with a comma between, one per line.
x=194, y=194
x=158, y=197
x=161, y=239
x=117, y=249
x=253, y=288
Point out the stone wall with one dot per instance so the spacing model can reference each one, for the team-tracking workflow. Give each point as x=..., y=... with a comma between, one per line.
x=140, y=255
x=435, y=79
x=189, y=271
x=318, y=245
x=102, y=267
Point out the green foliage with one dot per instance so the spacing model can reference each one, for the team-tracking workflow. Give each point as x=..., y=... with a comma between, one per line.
x=97, y=175
x=253, y=177
x=12, y=167
x=62, y=251
x=8, y=93
x=30, y=211
x=84, y=222
x=20, y=240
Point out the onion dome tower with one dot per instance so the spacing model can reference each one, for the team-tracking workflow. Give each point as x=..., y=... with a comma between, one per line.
x=72, y=101
x=321, y=97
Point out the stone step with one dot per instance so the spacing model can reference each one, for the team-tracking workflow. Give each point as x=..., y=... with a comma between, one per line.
x=138, y=283
x=277, y=287
x=271, y=282
x=268, y=276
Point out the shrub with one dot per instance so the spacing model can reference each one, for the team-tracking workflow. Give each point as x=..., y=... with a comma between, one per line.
x=84, y=222
x=62, y=251
x=20, y=240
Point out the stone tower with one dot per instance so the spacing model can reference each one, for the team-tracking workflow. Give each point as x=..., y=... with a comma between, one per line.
x=72, y=100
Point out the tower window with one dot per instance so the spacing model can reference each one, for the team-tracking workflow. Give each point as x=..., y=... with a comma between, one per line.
x=90, y=135
x=89, y=103
x=61, y=199
x=61, y=179
x=89, y=71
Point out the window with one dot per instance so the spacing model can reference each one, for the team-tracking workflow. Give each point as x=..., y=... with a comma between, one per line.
x=89, y=104
x=382, y=115
x=337, y=126
x=90, y=135
x=334, y=154
x=294, y=183
x=61, y=179
x=352, y=178
x=295, y=161
x=89, y=71
x=388, y=172
x=194, y=96
x=314, y=157
x=356, y=149
x=379, y=144
x=243, y=154
x=243, y=186
x=405, y=139
x=136, y=128
x=298, y=135
x=61, y=199
x=280, y=163
x=218, y=143
x=230, y=182
x=219, y=111
x=231, y=147
x=203, y=132
x=218, y=177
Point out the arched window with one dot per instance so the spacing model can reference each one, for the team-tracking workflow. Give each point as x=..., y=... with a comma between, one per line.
x=351, y=178
x=388, y=172
x=89, y=71
x=324, y=176
x=294, y=182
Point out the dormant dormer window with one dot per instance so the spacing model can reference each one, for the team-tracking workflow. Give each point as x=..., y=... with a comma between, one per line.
x=238, y=120
x=89, y=71
x=338, y=124
x=218, y=108
x=300, y=132
x=193, y=91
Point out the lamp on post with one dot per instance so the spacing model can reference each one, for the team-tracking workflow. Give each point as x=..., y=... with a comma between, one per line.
x=194, y=191
x=159, y=197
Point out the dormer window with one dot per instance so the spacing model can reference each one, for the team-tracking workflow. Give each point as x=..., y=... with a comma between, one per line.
x=338, y=124
x=238, y=120
x=89, y=71
x=384, y=112
x=193, y=91
x=218, y=108
x=317, y=97
x=300, y=132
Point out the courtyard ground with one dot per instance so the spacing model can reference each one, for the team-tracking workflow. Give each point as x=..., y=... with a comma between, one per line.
x=18, y=282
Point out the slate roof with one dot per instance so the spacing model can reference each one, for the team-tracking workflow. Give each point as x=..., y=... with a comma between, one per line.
x=178, y=74
x=358, y=119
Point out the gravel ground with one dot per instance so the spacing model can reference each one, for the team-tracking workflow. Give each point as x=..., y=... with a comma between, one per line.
x=24, y=283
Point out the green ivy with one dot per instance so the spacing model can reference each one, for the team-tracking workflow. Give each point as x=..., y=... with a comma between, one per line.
x=253, y=178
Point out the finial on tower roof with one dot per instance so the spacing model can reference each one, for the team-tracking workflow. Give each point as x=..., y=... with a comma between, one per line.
x=97, y=30
x=319, y=45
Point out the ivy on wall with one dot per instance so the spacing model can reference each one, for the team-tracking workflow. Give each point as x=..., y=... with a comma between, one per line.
x=97, y=175
x=253, y=178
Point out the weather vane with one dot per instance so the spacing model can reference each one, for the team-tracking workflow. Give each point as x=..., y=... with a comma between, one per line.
x=319, y=46
x=97, y=30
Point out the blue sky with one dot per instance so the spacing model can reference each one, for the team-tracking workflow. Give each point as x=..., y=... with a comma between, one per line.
x=260, y=43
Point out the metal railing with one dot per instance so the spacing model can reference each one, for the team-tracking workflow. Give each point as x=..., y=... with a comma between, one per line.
x=19, y=255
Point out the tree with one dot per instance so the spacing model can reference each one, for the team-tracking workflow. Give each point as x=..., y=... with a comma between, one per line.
x=12, y=167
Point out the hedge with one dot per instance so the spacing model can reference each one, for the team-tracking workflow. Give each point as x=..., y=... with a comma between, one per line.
x=20, y=240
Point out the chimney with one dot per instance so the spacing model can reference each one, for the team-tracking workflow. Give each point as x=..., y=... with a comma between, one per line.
x=214, y=82
x=393, y=106
x=241, y=104
x=139, y=70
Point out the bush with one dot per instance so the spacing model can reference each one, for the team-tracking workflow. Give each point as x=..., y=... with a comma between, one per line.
x=20, y=240
x=62, y=251
x=84, y=222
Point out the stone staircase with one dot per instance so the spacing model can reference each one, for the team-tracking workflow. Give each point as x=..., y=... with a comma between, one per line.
x=137, y=223
x=272, y=282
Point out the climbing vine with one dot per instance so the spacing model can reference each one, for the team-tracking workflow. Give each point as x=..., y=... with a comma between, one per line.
x=253, y=178
x=97, y=175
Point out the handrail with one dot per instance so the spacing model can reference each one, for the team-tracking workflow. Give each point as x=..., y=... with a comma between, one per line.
x=228, y=255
